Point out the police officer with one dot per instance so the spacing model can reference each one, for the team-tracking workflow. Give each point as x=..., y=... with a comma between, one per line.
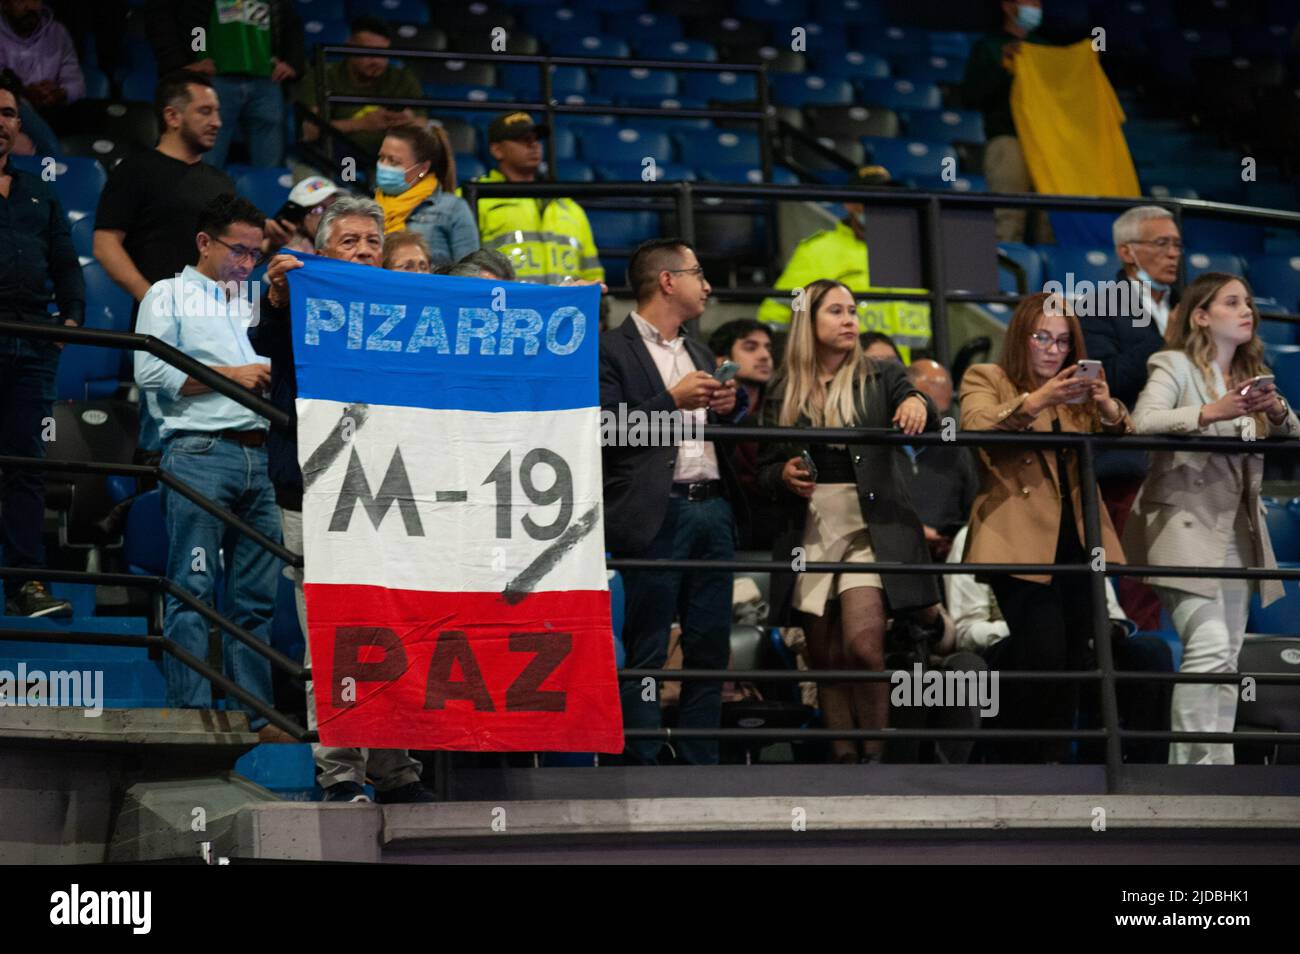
x=548, y=240
x=840, y=254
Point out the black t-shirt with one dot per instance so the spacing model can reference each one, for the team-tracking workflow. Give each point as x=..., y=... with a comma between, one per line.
x=156, y=201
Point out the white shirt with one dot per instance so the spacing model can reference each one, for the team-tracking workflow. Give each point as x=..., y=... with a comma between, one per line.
x=974, y=608
x=190, y=312
x=1158, y=310
x=697, y=460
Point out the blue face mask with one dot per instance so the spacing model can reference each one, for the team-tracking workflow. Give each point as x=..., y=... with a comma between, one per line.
x=1029, y=18
x=1144, y=276
x=391, y=180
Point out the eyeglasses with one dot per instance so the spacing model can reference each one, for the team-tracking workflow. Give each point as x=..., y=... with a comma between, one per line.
x=239, y=252
x=1045, y=341
x=697, y=271
x=1164, y=244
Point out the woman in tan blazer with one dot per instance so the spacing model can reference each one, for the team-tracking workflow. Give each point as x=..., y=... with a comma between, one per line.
x=1204, y=509
x=1019, y=516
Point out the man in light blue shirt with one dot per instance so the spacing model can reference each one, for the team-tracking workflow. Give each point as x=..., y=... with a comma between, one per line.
x=217, y=447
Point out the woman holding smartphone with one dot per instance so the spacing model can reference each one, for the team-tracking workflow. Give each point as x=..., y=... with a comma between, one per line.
x=1204, y=509
x=1030, y=508
x=854, y=509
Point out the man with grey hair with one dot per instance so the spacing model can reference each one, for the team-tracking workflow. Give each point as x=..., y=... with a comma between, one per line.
x=1150, y=248
x=351, y=230
x=484, y=263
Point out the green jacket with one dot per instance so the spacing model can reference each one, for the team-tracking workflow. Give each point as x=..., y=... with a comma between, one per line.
x=548, y=240
x=840, y=255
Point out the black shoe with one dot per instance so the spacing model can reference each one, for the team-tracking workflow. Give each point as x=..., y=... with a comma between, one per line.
x=34, y=600
x=411, y=793
x=346, y=792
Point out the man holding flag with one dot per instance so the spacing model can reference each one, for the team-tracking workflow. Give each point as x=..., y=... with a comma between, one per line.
x=351, y=230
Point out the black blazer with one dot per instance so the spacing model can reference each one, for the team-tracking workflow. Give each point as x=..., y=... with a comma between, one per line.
x=1122, y=345
x=638, y=479
x=882, y=474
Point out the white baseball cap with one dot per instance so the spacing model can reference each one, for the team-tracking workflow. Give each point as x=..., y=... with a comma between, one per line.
x=312, y=191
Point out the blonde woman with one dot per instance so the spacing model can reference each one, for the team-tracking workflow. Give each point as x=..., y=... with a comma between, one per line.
x=1204, y=508
x=855, y=509
x=1029, y=509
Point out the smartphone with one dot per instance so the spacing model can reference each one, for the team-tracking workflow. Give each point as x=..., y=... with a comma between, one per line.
x=725, y=372
x=1089, y=370
x=806, y=460
x=1258, y=381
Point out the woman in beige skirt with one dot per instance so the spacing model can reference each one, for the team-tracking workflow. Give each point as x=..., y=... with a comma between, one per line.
x=854, y=509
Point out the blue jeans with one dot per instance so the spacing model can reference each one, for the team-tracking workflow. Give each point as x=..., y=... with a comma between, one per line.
x=701, y=530
x=27, y=387
x=234, y=477
x=256, y=104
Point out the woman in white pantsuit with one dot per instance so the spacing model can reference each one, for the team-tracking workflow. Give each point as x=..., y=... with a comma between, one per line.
x=1204, y=509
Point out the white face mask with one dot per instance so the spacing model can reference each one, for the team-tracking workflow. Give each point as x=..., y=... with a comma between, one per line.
x=1144, y=276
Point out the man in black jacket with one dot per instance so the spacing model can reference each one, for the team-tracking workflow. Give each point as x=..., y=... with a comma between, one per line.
x=1148, y=243
x=35, y=250
x=669, y=500
x=248, y=49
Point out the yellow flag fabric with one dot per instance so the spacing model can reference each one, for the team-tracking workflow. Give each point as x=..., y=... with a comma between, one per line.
x=1069, y=122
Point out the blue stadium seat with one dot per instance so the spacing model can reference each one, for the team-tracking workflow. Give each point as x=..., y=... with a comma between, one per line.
x=899, y=94
x=725, y=87
x=853, y=64
x=394, y=11
x=571, y=170
x=526, y=80
x=1277, y=277
x=104, y=297
x=1283, y=529
x=636, y=82
x=1091, y=264
x=702, y=147
x=96, y=82
x=946, y=125
x=144, y=540
x=910, y=158
x=746, y=173
x=772, y=9
x=468, y=93
x=268, y=189
x=809, y=89
x=648, y=24
x=1196, y=43
x=83, y=236
x=86, y=371
x=322, y=9
x=930, y=68
x=1285, y=362
x=78, y=180
x=547, y=23
x=469, y=167
x=892, y=41
x=319, y=32
x=850, y=11
x=621, y=228
x=625, y=144
x=591, y=44
x=668, y=120
x=1201, y=262
x=1028, y=259
x=949, y=43
x=634, y=172
x=1274, y=332
x=1281, y=618
x=653, y=48
x=962, y=183
x=566, y=144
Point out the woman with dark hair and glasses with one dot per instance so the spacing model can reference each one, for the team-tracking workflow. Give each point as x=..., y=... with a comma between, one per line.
x=1029, y=508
